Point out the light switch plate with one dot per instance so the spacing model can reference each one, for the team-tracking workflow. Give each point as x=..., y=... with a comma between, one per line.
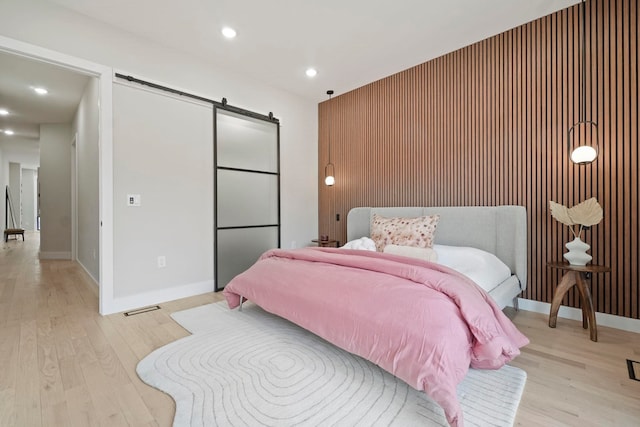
x=133, y=200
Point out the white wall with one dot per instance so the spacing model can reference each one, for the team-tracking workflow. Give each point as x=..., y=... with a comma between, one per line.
x=25, y=151
x=57, y=28
x=4, y=181
x=28, y=198
x=55, y=191
x=85, y=126
x=15, y=182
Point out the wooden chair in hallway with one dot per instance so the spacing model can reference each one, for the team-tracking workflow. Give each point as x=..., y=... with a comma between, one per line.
x=8, y=213
x=13, y=232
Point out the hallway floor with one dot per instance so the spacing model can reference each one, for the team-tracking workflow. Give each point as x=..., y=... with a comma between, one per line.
x=62, y=364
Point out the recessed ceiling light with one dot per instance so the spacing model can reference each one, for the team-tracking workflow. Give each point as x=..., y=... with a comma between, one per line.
x=4, y=112
x=311, y=72
x=228, y=32
x=40, y=90
x=8, y=131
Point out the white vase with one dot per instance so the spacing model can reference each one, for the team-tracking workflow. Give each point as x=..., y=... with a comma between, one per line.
x=577, y=254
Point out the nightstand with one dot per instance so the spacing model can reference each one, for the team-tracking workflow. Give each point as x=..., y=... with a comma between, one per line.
x=326, y=243
x=576, y=276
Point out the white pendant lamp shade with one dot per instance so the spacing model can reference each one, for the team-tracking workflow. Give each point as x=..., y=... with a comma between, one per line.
x=584, y=154
x=329, y=174
x=583, y=142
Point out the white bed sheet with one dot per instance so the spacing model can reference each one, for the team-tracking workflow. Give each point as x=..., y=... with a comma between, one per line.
x=482, y=267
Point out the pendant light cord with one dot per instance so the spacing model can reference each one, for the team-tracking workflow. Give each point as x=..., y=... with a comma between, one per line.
x=329, y=92
x=583, y=74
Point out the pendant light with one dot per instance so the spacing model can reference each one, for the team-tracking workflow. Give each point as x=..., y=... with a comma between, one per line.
x=584, y=134
x=329, y=169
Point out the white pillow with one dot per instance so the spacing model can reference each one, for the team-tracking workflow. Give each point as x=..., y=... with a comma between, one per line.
x=363, y=243
x=427, y=254
x=482, y=267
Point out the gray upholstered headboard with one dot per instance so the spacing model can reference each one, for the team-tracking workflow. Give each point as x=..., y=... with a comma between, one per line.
x=501, y=230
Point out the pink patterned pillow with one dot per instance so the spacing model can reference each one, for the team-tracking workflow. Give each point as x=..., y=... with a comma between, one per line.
x=417, y=232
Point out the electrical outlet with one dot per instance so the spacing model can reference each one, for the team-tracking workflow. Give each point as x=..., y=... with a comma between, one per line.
x=162, y=261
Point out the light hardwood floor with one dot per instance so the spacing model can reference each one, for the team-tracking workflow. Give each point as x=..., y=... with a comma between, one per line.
x=62, y=364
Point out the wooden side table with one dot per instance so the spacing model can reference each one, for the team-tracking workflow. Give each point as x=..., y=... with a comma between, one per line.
x=326, y=243
x=575, y=276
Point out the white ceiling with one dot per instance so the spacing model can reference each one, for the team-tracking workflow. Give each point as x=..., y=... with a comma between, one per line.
x=350, y=42
x=27, y=110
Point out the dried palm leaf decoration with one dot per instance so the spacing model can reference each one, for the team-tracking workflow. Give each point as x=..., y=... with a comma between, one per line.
x=585, y=214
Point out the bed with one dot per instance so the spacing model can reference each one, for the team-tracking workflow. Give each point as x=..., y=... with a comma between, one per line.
x=499, y=230
x=421, y=321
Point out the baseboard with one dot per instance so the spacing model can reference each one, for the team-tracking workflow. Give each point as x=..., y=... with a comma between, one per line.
x=86, y=270
x=157, y=297
x=602, y=319
x=54, y=255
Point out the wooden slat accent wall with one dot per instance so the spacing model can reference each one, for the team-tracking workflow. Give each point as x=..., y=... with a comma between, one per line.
x=487, y=125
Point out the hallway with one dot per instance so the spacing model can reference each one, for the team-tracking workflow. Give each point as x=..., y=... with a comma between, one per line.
x=62, y=363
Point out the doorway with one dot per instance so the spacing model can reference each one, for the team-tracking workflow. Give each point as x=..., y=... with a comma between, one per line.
x=74, y=199
x=102, y=218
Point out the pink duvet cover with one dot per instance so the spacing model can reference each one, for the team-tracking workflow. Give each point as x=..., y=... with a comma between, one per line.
x=420, y=321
